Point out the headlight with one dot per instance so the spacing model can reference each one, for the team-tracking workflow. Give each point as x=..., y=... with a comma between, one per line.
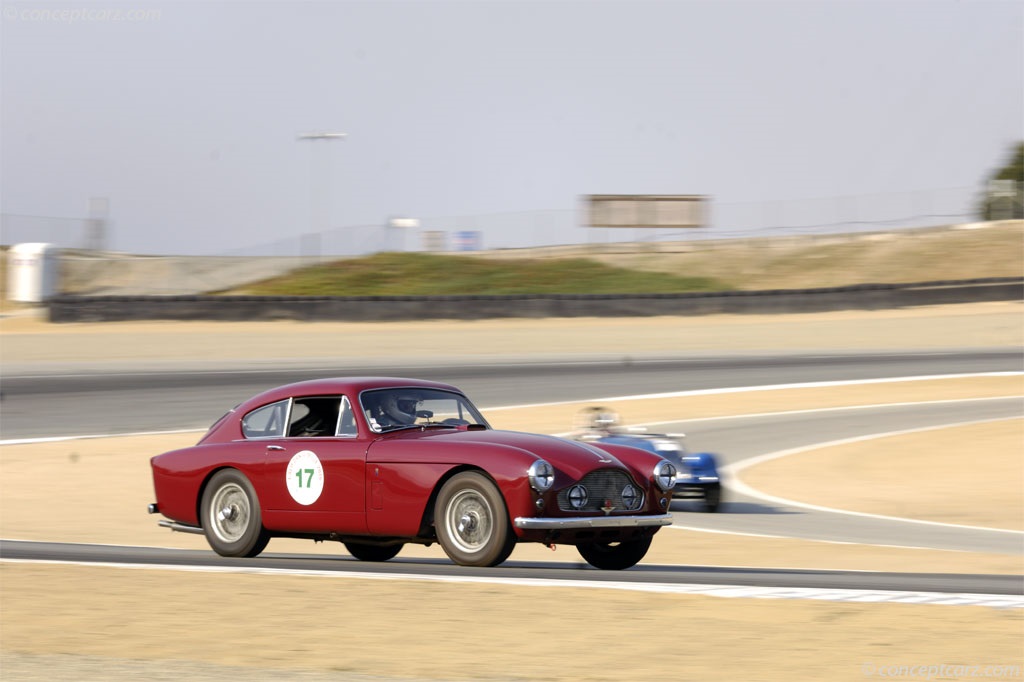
x=542, y=476
x=665, y=475
x=630, y=497
x=577, y=496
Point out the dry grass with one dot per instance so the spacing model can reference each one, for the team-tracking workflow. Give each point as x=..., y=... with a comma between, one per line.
x=744, y=264
x=802, y=262
x=806, y=262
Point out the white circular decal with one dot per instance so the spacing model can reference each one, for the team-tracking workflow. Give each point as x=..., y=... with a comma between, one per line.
x=305, y=477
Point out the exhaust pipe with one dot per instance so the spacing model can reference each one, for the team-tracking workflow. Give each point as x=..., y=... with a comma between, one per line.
x=181, y=527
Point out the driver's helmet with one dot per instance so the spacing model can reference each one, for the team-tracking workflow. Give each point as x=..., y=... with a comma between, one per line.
x=400, y=407
x=598, y=419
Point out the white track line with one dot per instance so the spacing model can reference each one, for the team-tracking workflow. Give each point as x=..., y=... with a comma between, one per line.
x=814, y=410
x=724, y=591
x=64, y=439
x=771, y=387
x=677, y=394
x=770, y=536
x=732, y=471
x=843, y=408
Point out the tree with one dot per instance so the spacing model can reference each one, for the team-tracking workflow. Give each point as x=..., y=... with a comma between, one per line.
x=1004, y=194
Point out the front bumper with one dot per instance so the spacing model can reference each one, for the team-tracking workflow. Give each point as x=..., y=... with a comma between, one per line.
x=547, y=523
x=695, y=488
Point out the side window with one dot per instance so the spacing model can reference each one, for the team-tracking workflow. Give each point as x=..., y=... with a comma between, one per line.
x=266, y=422
x=347, y=420
x=314, y=417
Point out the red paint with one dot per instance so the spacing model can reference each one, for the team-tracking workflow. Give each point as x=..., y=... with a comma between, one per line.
x=383, y=484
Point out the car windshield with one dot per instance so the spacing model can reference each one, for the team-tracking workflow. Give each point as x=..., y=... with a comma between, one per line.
x=388, y=409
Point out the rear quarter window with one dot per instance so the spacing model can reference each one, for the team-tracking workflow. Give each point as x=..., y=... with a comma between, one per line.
x=266, y=422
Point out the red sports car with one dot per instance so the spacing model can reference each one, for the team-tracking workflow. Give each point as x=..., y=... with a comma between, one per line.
x=376, y=463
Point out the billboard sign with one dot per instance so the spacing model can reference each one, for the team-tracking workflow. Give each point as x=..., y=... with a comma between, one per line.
x=467, y=240
x=646, y=210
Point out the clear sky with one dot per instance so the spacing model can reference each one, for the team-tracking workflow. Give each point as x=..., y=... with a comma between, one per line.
x=186, y=114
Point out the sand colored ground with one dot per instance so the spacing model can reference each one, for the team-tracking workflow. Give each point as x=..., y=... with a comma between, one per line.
x=84, y=622
x=971, y=475
x=26, y=341
x=460, y=631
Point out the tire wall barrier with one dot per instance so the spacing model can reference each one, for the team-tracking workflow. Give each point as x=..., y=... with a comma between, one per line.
x=395, y=308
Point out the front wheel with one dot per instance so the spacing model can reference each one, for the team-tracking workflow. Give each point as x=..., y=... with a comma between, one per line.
x=367, y=552
x=614, y=556
x=712, y=497
x=231, y=516
x=471, y=521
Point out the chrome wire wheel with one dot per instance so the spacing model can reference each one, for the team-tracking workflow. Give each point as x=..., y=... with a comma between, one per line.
x=231, y=517
x=230, y=511
x=471, y=521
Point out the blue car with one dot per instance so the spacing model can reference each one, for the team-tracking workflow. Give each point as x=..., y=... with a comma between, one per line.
x=698, y=477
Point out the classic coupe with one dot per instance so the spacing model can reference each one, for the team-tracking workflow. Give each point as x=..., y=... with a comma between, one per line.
x=697, y=472
x=377, y=463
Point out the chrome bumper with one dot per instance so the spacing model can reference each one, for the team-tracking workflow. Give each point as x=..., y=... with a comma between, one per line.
x=697, y=480
x=536, y=523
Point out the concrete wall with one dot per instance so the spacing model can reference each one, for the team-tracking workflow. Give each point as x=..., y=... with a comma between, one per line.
x=379, y=308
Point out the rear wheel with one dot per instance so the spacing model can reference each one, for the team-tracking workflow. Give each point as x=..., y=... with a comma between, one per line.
x=231, y=516
x=471, y=521
x=367, y=552
x=614, y=556
x=712, y=497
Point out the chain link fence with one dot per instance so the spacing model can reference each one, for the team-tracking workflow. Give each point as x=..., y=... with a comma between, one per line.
x=527, y=229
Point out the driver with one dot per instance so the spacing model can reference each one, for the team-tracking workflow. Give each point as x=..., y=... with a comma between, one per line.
x=601, y=420
x=399, y=409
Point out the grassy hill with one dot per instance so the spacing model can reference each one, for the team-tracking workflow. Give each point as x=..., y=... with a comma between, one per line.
x=423, y=274
x=781, y=263
x=997, y=250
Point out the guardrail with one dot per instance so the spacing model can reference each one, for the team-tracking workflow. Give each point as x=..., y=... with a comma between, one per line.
x=394, y=308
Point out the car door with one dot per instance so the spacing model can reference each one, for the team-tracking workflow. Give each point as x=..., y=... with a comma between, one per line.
x=314, y=474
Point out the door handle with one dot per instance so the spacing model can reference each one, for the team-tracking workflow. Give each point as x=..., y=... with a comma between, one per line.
x=275, y=447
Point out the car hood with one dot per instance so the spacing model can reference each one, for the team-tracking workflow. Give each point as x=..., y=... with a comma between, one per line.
x=572, y=457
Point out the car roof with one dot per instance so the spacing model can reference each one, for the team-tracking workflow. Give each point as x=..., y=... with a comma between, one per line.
x=337, y=385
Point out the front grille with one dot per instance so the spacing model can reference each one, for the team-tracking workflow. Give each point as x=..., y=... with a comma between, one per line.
x=604, y=486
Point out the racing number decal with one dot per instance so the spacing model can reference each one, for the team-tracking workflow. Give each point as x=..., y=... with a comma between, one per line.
x=305, y=477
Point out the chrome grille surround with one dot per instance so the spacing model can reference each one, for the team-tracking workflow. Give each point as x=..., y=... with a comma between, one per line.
x=604, y=485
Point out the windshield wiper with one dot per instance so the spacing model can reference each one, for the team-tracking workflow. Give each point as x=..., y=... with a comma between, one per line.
x=403, y=427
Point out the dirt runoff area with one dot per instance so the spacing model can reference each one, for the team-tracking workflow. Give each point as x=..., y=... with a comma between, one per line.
x=100, y=623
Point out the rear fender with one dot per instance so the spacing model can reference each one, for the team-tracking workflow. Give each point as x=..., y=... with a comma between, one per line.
x=202, y=491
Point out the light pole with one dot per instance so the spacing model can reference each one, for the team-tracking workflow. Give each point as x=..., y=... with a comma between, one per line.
x=322, y=136
x=319, y=215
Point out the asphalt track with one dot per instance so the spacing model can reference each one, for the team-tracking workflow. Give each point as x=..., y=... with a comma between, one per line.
x=55, y=404
x=739, y=439
x=82, y=402
x=519, y=570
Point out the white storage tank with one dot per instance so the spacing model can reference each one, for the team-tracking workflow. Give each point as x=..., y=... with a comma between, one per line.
x=32, y=270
